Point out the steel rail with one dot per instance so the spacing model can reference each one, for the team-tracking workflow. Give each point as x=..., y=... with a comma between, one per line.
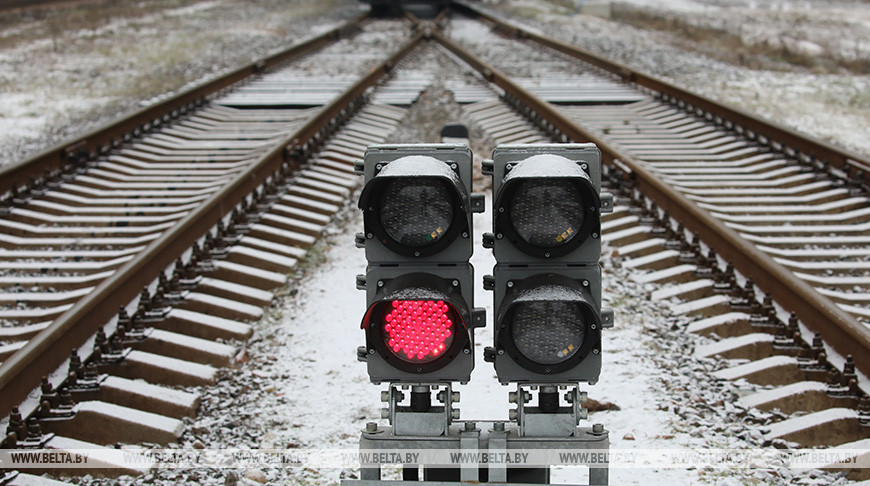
x=813, y=149
x=838, y=328
x=22, y=372
x=22, y=173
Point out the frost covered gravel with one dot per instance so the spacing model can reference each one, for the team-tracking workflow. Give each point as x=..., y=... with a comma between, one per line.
x=69, y=69
x=833, y=107
x=297, y=384
x=300, y=386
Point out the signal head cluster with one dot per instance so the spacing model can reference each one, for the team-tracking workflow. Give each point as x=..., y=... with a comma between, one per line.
x=547, y=282
x=417, y=208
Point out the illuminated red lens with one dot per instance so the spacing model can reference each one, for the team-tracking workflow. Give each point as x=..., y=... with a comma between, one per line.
x=418, y=331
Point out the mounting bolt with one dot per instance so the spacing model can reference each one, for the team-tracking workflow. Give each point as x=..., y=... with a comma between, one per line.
x=385, y=413
x=454, y=397
x=512, y=397
x=34, y=431
x=371, y=427
x=488, y=240
x=499, y=426
x=512, y=415
x=470, y=426
x=385, y=397
x=454, y=414
x=598, y=428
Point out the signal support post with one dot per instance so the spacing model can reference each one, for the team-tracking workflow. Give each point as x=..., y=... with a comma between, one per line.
x=419, y=325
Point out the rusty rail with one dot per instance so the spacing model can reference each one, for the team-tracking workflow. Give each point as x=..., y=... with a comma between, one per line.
x=22, y=173
x=838, y=328
x=22, y=372
x=811, y=148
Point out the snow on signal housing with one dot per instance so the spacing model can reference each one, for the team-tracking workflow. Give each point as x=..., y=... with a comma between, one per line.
x=569, y=327
x=547, y=206
x=416, y=206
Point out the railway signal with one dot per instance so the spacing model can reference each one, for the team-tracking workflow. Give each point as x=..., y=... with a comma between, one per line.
x=417, y=206
x=547, y=282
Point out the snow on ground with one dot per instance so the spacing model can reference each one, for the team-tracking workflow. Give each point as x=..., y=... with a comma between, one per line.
x=828, y=102
x=69, y=69
x=837, y=29
x=65, y=70
x=301, y=387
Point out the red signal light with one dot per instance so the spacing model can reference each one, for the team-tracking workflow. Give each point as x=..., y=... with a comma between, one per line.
x=418, y=331
x=417, y=325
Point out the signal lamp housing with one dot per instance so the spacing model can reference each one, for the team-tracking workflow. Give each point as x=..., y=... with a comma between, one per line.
x=417, y=203
x=548, y=325
x=418, y=329
x=547, y=207
x=417, y=210
x=547, y=203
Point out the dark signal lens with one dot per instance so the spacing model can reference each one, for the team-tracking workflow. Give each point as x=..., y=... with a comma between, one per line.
x=416, y=212
x=547, y=213
x=548, y=332
x=419, y=331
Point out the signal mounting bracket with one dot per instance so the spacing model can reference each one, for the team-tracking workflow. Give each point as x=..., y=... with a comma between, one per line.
x=421, y=417
x=436, y=457
x=548, y=418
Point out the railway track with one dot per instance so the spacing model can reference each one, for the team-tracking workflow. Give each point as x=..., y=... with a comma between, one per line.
x=806, y=215
x=86, y=233
x=260, y=170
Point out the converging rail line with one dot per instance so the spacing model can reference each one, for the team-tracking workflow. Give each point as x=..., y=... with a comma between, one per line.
x=185, y=215
x=147, y=203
